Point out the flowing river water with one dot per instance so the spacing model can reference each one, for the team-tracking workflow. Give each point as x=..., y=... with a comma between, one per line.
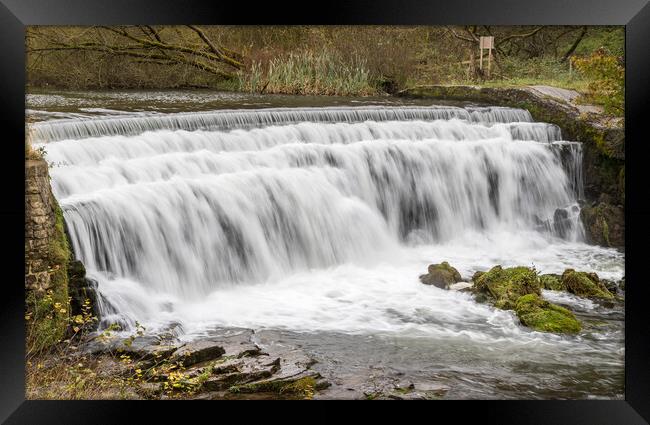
x=313, y=218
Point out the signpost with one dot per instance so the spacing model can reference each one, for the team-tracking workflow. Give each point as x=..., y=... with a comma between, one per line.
x=486, y=43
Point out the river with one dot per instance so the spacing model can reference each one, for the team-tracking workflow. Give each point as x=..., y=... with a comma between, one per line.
x=312, y=218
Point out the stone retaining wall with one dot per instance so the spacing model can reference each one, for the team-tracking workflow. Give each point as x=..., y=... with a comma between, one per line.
x=40, y=225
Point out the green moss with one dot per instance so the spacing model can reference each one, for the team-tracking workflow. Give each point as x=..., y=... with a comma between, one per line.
x=585, y=284
x=300, y=388
x=552, y=282
x=543, y=316
x=505, y=286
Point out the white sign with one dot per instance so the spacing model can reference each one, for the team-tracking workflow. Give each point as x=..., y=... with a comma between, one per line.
x=487, y=42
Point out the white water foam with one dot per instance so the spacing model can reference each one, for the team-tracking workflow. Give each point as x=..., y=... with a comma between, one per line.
x=321, y=225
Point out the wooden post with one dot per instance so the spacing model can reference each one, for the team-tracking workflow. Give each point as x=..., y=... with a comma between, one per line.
x=489, y=61
x=486, y=43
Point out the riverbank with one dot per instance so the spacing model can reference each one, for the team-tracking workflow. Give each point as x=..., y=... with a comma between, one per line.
x=238, y=363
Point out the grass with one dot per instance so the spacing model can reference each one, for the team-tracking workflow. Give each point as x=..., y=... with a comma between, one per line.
x=73, y=379
x=308, y=73
x=514, y=72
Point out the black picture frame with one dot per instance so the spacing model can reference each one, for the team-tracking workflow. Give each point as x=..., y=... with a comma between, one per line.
x=634, y=14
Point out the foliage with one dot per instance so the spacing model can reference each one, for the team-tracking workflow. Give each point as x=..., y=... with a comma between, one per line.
x=606, y=74
x=357, y=60
x=309, y=73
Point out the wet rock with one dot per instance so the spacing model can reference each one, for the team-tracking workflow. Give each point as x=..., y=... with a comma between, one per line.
x=504, y=286
x=441, y=275
x=235, y=342
x=235, y=372
x=140, y=348
x=385, y=388
x=604, y=224
x=301, y=385
x=611, y=286
x=552, y=282
x=585, y=284
x=562, y=224
x=543, y=316
x=621, y=284
x=419, y=391
x=198, y=351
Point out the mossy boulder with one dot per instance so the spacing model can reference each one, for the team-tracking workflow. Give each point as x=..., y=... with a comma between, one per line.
x=552, y=282
x=505, y=286
x=441, y=275
x=543, y=316
x=585, y=284
x=476, y=275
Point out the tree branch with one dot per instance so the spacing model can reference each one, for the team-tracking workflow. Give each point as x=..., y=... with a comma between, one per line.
x=575, y=44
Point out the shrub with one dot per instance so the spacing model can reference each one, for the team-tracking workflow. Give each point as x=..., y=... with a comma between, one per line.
x=606, y=73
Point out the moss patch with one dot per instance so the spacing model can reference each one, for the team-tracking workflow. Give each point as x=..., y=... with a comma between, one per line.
x=505, y=286
x=552, y=282
x=543, y=316
x=585, y=284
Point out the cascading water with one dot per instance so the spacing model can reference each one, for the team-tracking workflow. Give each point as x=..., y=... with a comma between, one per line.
x=314, y=218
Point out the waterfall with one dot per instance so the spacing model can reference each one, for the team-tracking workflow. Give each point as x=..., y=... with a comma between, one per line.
x=186, y=204
x=228, y=119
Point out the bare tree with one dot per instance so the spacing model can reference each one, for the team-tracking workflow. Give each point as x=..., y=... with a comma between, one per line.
x=143, y=43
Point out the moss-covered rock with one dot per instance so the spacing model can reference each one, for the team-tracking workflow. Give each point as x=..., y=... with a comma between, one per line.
x=505, y=286
x=543, y=316
x=552, y=282
x=476, y=275
x=585, y=284
x=441, y=275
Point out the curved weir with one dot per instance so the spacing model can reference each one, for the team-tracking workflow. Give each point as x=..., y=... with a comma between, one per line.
x=198, y=218
x=230, y=119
